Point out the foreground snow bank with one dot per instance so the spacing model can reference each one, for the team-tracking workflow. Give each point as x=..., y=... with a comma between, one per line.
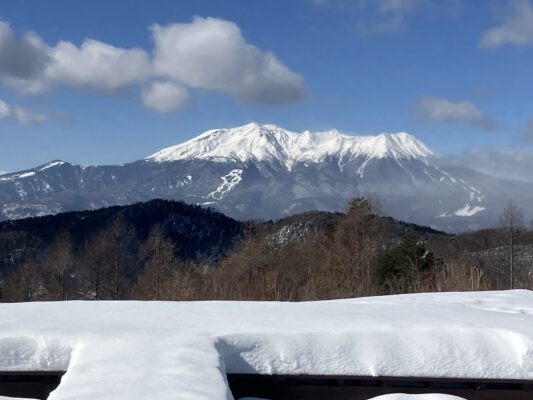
x=183, y=350
x=12, y=398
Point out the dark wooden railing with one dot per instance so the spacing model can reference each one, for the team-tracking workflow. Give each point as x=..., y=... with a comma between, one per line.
x=33, y=385
x=289, y=387
x=38, y=385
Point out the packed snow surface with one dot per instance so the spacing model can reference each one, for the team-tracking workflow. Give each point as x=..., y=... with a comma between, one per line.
x=273, y=143
x=182, y=350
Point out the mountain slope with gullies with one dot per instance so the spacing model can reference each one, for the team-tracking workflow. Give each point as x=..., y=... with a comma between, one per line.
x=267, y=172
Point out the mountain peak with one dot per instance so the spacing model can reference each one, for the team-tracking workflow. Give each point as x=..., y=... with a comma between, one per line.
x=273, y=143
x=51, y=164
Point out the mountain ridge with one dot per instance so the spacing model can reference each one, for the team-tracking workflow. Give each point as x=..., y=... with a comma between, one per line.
x=254, y=142
x=266, y=172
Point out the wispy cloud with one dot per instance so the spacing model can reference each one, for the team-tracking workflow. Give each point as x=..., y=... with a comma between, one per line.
x=516, y=29
x=439, y=109
x=528, y=134
x=505, y=163
x=20, y=114
x=381, y=16
x=395, y=13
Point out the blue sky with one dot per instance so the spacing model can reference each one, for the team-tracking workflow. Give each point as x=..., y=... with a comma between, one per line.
x=456, y=74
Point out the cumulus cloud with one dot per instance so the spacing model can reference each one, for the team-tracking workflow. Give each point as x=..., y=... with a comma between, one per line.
x=207, y=53
x=164, y=96
x=20, y=58
x=212, y=54
x=517, y=29
x=97, y=66
x=439, y=109
x=20, y=114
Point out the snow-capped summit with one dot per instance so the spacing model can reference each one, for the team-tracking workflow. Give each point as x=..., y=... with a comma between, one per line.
x=51, y=164
x=273, y=143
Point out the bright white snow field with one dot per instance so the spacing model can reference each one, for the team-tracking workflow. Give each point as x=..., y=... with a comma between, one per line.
x=182, y=350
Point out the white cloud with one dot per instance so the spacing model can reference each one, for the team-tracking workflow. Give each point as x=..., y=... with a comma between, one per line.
x=517, y=29
x=439, y=109
x=5, y=110
x=212, y=54
x=29, y=65
x=207, y=53
x=27, y=86
x=97, y=66
x=164, y=96
x=21, y=115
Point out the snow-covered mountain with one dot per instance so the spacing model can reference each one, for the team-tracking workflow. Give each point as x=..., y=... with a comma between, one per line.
x=265, y=171
x=270, y=143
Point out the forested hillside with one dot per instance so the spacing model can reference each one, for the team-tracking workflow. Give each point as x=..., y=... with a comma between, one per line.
x=96, y=254
x=172, y=251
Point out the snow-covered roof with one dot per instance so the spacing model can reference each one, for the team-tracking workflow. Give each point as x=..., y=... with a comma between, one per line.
x=183, y=350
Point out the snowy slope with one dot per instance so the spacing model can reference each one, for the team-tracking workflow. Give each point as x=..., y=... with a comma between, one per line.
x=273, y=143
x=182, y=350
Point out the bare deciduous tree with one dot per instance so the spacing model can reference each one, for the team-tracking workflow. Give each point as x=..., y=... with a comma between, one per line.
x=59, y=262
x=159, y=267
x=512, y=222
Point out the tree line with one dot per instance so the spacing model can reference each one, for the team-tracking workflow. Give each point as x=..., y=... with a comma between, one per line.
x=312, y=256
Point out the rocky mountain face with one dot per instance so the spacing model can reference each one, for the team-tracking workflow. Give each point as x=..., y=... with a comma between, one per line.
x=264, y=172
